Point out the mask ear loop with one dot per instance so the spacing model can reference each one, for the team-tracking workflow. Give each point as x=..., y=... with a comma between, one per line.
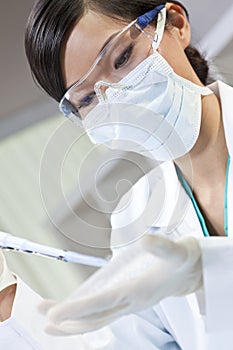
x=160, y=27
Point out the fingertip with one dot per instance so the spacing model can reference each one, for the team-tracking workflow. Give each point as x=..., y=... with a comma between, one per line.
x=55, y=331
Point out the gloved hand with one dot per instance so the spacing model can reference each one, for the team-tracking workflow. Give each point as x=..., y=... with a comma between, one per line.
x=141, y=275
x=6, y=277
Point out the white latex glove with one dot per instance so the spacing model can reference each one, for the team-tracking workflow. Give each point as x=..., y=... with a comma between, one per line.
x=6, y=277
x=141, y=275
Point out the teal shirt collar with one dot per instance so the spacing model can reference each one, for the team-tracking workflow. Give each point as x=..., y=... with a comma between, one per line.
x=197, y=209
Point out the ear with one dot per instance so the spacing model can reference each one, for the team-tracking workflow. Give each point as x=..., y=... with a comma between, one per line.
x=178, y=20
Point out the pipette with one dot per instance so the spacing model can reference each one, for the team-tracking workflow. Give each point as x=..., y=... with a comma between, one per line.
x=10, y=242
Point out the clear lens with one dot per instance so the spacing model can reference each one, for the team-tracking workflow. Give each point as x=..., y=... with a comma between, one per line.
x=122, y=54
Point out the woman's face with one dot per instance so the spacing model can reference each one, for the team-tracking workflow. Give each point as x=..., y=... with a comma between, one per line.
x=91, y=33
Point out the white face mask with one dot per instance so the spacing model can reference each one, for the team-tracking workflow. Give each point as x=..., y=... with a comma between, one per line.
x=158, y=117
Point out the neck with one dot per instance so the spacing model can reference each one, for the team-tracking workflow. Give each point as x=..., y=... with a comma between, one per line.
x=205, y=166
x=6, y=302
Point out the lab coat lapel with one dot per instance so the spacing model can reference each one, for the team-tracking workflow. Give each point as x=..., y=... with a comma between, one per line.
x=181, y=315
x=178, y=217
x=178, y=316
x=177, y=313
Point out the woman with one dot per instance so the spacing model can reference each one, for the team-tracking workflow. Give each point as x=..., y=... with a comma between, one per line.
x=146, y=68
x=136, y=68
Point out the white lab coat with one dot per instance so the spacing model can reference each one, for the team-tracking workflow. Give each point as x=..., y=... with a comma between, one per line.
x=205, y=320
x=175, y=323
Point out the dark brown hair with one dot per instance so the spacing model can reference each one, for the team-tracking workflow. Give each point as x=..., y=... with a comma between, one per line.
x=51, y=21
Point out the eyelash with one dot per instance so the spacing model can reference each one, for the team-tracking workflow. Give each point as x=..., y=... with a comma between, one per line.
x=86, y=101
x=125, y=55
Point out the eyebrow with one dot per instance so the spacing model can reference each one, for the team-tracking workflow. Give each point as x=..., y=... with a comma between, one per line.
x=107, y=42
x=99, y=53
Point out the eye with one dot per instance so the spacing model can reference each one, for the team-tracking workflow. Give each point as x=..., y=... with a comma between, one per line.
x=124, y=57
x=87, y=100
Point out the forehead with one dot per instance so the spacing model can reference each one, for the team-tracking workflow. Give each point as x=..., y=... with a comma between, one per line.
x=84, y=43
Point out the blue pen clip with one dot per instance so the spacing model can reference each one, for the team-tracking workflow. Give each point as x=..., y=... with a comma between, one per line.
x=145, y=19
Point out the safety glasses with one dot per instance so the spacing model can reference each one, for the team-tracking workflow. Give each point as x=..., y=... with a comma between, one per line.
x=123, y=53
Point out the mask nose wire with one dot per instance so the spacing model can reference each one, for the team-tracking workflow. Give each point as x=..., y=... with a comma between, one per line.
x=101, y=87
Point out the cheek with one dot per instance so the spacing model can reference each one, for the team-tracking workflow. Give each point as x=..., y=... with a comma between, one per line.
x=174, y=54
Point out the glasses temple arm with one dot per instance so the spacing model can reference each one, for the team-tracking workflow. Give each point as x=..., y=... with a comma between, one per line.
x=145, y=19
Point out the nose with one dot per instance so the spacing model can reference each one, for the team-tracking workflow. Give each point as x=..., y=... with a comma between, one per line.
x=100, y=90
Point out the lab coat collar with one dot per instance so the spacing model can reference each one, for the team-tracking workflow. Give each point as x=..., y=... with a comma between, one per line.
x=24, y=292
